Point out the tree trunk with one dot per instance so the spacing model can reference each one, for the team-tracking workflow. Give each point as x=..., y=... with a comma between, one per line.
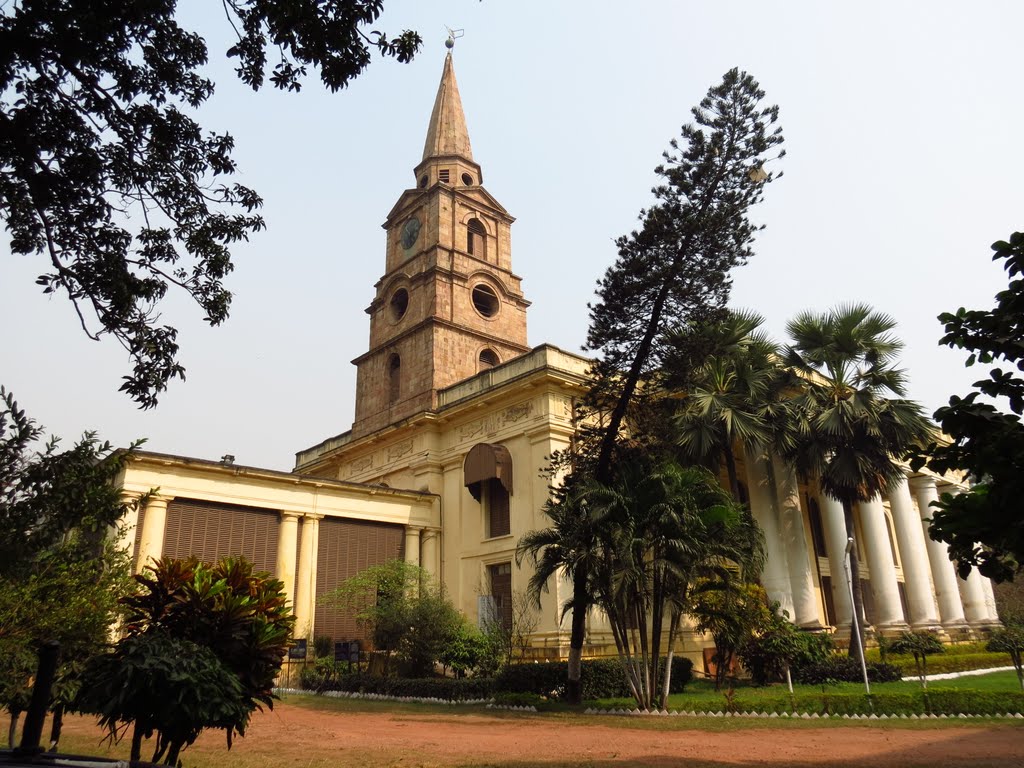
x=136, y=753
x=857, y=620
x=12, y=729
x=574, y=688
x=56, y=726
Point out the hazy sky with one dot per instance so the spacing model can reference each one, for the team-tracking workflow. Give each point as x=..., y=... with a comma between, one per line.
x=903, y=125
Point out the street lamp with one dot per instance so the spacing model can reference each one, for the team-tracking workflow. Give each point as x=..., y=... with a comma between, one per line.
x=855, y=626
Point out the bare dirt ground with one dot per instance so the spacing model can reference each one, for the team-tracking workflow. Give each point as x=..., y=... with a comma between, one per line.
x=296, y=735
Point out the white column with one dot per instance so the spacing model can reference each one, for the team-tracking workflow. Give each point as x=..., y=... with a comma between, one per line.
x=972, y=595
x=429, y=542
x=801, y=570
x=287, y=540
x=991, y=610
x=762, y=505
x=833, y=521
x=878, y=550
x=151, y=542
x=917, y=577
x=951, y=611
x=305, y=580
x=412, y=545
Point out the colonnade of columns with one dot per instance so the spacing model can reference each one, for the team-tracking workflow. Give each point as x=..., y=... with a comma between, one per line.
x=936, y=599
x=297, y=551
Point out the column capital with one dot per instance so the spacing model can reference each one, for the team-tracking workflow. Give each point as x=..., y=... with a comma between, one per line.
x=313, y=516
x=923, y=482
x=288, y=514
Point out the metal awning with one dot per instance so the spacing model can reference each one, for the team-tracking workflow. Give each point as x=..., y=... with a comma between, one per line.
x=487, y=461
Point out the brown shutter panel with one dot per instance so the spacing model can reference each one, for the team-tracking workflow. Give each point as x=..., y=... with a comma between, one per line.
x=211, y=531
x=497, y=506
x=138, y=535
x=345, y=548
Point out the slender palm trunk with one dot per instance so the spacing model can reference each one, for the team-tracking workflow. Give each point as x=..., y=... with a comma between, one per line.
x=730, y=468
x=857, y=620
x=574, y=688
x=12, y=729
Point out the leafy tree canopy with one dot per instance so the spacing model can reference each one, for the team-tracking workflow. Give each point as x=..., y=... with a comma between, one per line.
x=984, y=527
x=106, y=173
x=46, y=493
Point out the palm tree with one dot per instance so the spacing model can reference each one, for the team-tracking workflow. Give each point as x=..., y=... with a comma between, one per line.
x=733, y=395
x=570, y=545
x=636, y=546
x=851, y=422
x=664, y=527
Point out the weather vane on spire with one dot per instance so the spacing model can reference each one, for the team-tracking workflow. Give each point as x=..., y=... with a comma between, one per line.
x=453, y=35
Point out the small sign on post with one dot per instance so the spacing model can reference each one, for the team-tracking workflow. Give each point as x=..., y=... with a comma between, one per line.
x=298, y=649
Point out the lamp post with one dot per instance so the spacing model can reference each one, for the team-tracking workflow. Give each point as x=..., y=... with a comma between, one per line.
x=855, y=626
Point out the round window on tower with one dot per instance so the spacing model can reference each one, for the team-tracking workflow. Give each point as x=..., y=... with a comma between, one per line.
x=423, y=182
x=485, y=300
x=399, y=304
x=467, y=180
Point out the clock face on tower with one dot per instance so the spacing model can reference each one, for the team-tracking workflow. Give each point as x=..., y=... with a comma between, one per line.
x=410, y=231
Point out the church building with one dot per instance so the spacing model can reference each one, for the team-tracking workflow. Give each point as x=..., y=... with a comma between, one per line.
x=455, y=416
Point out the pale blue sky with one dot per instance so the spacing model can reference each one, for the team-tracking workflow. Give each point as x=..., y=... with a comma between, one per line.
x=903, y=126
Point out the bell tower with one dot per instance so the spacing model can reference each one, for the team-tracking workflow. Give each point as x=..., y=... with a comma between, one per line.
x=448, y=305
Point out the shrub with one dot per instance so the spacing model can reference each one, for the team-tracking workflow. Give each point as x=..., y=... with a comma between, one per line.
x=1010, y=640
x=323, y=647
x=239, y=616
x=920, y=645
x=600, y=678
x=447, y=688
x=843, y=669
x=779, y=644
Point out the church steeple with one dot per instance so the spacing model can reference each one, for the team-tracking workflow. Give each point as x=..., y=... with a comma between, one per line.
x=447, y=134
x=448, y=305
x=447, y=153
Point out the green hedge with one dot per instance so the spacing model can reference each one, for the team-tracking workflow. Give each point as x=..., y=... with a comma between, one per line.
x=600, y=678
x=945, y=702
x=962, y=662
x=447, y=688
x=843, y=669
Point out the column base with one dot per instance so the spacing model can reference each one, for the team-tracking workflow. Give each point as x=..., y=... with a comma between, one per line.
x=959, y=631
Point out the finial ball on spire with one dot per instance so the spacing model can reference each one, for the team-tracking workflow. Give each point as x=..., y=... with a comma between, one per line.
x=449, y=43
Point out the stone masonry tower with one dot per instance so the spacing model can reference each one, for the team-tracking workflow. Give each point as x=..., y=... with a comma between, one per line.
x=448, y=305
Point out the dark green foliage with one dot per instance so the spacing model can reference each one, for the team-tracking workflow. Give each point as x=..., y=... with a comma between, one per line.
x=60, y=579
x=850, y=424
x=984, y=527
x=728, y=389
x=96, y=114
x=601, y=678
x=240, y=616
x=844, y=669
x=780, y=644
x=46, y=493
x=948, y=702
x=164, y=685
x=448, y=688
x=1010, y=640
x=323, y=647
x=674, y=270
x=408, y=616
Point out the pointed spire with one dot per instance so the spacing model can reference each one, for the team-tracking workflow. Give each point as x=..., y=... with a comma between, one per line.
x=447, y=134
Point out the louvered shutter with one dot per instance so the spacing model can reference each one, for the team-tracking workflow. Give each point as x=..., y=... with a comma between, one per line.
x=211, y=531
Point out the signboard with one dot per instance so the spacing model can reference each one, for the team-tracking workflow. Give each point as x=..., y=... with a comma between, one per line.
x=298, y=649
x=347, y=650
